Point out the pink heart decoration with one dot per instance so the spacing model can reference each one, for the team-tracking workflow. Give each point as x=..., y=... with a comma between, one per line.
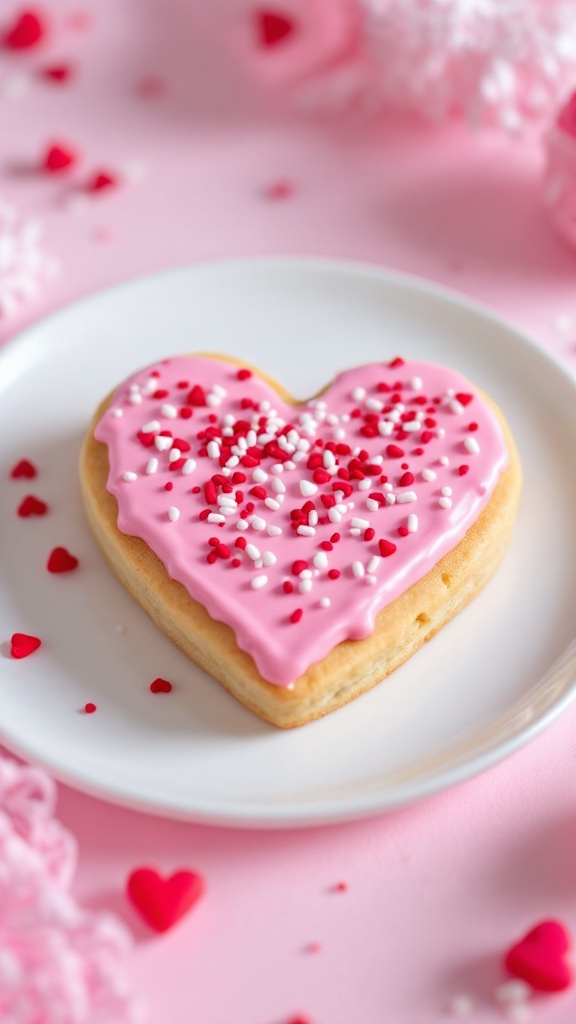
x=164, y=901
x=295, y=524
x=540, y=957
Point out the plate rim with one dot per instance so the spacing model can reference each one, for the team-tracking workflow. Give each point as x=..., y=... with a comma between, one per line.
x=330, y=811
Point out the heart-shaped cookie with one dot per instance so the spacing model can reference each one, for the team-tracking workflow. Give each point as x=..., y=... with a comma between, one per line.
x=540, y=957
x=264, y=536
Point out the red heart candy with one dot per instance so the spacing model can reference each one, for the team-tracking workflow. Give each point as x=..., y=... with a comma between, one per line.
x=163, y=901
x=23, y=468
x=58, y=158
x=21, y=645
x=57, y=72
x=160, y=686
x=31, y=506
x=540, y=957
x=273, y=27
x=27, y=30
x=61, y=560
x=100, y=181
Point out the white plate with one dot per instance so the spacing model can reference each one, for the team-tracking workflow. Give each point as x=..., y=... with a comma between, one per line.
x=486, y=684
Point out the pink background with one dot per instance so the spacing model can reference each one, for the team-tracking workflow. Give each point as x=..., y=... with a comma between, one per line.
x=438, y=891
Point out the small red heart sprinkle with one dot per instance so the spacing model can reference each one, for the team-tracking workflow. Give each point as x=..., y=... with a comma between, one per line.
x=273, y=27
x=57, y=72
x=58, y=158
x=164, y=901
x=160, y=686
x=281, y=189
x=61, y=560
x=386, y=547
x=540, y=957
x=89, y=708
x=24, y=468
x=463, y=398
x=21, y=645
x=31, y=506
x=26, y=31
x=101, y=181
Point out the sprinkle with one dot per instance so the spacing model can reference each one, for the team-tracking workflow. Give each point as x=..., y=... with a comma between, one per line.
x=320, y=560
x=471, y=445
x=412, y=523
x=170, y=411
x=213, y=449
x=174, y=455
x=324, y=602
x=406, y=496
x=160, y=686
x=257, y=522
x=394, y=452
x=174, y=515
x=22, y=644
x=269, y=558
x=274, y=531
x=129, y=476
x=371, y=504
x=513, y=992
x=241, y=524
x=252, y=552
x=296, y=615
x=456, y=407
x=151, y=428
x=359, y=394
x=307, y=488
x=24, y=468
x=162, y=443
x=306, y=531
x=258, y=582
x=60, y=560
x=444, y=460
x=386, y=547
x=135, y=398
x=373, y=564
x=447, y=492
x=31, y=506
x=304, y=586
x=278, y=486
x=416, y=383
x=359, y=524
x=189, y=467
x=357, y=569
x=370, y=579
x=89, y=708
x=259, y=475
x=445, y=502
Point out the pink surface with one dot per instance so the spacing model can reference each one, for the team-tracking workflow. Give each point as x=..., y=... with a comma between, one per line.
x=435, y=893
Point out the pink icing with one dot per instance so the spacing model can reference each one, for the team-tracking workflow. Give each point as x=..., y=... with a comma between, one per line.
x=422, y=520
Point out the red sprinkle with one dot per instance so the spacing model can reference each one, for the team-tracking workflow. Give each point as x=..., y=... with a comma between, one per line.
x=197, y=396
x=22, y=644
x=60, y=73
x=24, y=468
x=472, y=426
x=288, y=586
x=235, y=563
x=60, y=560
x=394, y=452
x=299, y=566
x=272, y=27
x=26, y=31
x=334, y=574
x=464, y=398
x=403, y=531
x=296, y=615
x=387, y=547
x=89, y=708
x=31, y=506
x=59, y=157
x=369, y=534
x=160, y=686
x=395, y=363
x=244, y=374
x=406, y=479
x=100, y=181
x=462, y=470
x=280, y=189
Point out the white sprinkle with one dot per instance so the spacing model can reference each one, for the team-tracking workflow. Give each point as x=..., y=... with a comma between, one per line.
x=277, y=468
x=339, y=434
x=374, y=404
x=170, y=411
x=252, y=552
x=428, y=475
x=373, y=564
x=342, y=509
x=513, y=991
x=471, y=445
x=359, y=524
x=174, y=514
x=328, y=459
x=320, y=560
x=297, y=457
x=357, y=569
x=162, y=443
x=270, y=503
x=278, y=486
x=460, y=1006
x=364, y=485
x=241, y=524
x=355, y=533
x=151, y=428
x=412, y=425
x=377, y=460
x=259, y=475
x=307, y=488
x=129, y=476
x=189, y=467
x=151, y=466
x=217, y=389
x=305, y=574
x=269, y=558
x=333, y=515
x=135, y=398
x=444, y=460
x=359, y=394
x=305, y=586
x=416, y=383
x=213, y=400
x=447, y=492
x=213, y=449
x=257, y=522
x=390, y=498
x=372, y=505
x=412, y=523
x=306, y=531
x=386, y=427
x=313, y=518
x=405, y=497
x=259, y=563
x=387, y=486
x=116, y=412
x=455, y=406
x=370, y=579
x=274, y=531
x=445, y=502
x=324, y=602
x=258, y=582
x=175, y=454
x=215, y=517
x=227, y=499
x=232, y=461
